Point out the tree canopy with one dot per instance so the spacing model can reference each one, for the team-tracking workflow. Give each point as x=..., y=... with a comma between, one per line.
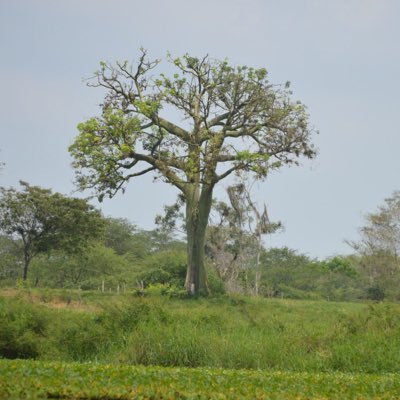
x=379, y=244
x=40, y=220
x=192, y=129
x=382, y=229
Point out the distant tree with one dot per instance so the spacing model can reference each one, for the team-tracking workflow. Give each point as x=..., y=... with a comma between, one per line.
x=258, y=223
x=165, y=267
x=382, y=229
x=340, y=264
x=234, y=240
x=119, y=235
x=134, y=243
x=281, y=266
x=88, y=269
x=168, y=223
x=229, y=248
x=9, y=259
x=39, y=220
x=379, y=243
x=235, y=120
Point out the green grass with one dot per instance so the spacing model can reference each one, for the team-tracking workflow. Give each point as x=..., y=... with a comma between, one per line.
x=221, y=332
x=40, y=380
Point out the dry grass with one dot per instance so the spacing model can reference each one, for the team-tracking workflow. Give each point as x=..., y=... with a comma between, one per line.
x=56, y=301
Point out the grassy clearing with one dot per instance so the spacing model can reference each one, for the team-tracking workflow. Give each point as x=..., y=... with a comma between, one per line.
x=221, y=332
x=39, y=380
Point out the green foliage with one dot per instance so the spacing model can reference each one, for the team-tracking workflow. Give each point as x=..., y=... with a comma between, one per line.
x=215, y=283
x=287, y=273
x=224, y=332
x=22, y=330
x=341, y=265
x=132, y=138
x=137, y=244
x=375, y=293
x=10, y=260
x=167, y=267
x=379, y=248
x=119, y=235
x=87, y=270
x=38, y=380
x=39, y=221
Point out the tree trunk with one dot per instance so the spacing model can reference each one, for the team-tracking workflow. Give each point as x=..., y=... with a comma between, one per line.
x=198, y=206
x=258, y=266
x=26, y=265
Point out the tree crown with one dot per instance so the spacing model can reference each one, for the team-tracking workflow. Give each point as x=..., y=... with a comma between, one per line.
x=43, y=220
x=232, y=119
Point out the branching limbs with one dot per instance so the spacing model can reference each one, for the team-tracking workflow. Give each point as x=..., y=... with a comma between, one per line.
x=220, y=104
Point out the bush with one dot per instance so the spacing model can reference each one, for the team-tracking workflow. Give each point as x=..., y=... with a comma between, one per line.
x=22, y=330
x=375, y=293
x=166, y=267
x=215, y=283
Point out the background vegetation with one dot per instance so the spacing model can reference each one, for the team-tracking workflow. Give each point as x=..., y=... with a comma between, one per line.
x=127, y=258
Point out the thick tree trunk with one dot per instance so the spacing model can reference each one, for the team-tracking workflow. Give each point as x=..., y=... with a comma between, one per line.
x=198, y=206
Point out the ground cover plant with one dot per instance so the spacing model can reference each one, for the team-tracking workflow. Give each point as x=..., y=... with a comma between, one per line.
x=223, y=332
x=38, y=380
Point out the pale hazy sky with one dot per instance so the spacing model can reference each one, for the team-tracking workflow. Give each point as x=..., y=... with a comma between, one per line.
x=342, y=57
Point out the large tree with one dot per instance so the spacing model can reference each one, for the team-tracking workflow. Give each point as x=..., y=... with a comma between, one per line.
x=192, y=129
x=38, y=220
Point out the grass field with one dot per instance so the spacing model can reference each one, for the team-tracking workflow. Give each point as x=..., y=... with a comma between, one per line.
x=40, y=380
x=91, y=345
x=223, y=332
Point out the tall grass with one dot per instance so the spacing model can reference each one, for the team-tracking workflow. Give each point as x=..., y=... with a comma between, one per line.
x=226, y=332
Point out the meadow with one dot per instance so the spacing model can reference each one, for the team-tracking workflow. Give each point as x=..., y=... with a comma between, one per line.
x=87, y=344
x=222, y=332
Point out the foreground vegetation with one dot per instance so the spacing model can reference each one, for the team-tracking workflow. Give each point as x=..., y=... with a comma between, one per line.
x=38, y=380
x=221, y=332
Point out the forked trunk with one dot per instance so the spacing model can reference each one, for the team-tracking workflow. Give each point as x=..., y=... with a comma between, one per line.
x=198, y=206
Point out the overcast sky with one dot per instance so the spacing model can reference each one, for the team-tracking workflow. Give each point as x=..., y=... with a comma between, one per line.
x=342, y=58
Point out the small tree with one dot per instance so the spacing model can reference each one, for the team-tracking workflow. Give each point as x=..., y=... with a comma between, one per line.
x=229, y=246
x=379, y=244
x=231, y=119
x=39, y=220
x=259, y=225
x=239, y=232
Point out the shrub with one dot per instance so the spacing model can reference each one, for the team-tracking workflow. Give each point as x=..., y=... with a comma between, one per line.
x=166, y=267
x=375, y=293
x=22, y=330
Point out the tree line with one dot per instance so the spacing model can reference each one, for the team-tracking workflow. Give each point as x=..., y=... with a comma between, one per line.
x=51, y=240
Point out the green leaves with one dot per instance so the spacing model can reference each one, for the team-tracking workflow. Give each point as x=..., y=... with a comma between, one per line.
x=37, y=380
x=214, y=98
x=101, y=147
x=43, y=220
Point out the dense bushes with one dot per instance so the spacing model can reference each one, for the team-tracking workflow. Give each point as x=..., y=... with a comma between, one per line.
x=22, y=329
x=166, y=267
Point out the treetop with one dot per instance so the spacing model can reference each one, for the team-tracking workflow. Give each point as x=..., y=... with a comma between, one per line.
x=197, y=125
